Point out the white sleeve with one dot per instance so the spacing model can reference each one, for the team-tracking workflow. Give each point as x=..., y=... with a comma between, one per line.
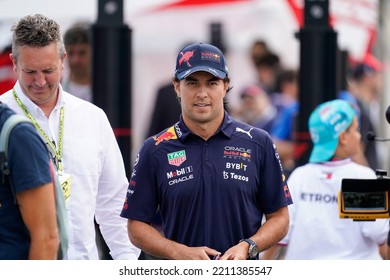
x=376, y=231
x=112, y=189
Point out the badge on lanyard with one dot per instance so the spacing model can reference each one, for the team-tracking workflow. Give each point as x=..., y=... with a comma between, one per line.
x=66, y=185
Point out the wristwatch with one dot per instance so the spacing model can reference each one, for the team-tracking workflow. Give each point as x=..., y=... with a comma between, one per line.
x=253, y=249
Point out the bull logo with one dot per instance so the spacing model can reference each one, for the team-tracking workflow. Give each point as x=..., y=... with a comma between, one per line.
x=167, y=135
x=185, y=57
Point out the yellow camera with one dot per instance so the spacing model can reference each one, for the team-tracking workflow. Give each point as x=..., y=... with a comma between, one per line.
x=364, y=199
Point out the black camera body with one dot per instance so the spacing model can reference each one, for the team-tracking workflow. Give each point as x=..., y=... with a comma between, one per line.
x=365, y=199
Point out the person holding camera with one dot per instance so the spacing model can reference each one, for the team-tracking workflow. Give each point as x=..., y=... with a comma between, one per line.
x=316, y=231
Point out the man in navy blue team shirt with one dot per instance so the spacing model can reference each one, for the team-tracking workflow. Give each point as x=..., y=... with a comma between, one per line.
x=211, y=176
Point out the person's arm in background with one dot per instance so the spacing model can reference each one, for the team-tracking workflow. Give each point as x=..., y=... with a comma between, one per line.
x=32, y=180
x=38, y=210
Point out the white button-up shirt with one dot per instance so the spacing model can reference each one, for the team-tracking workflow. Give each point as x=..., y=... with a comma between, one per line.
x=91, y=156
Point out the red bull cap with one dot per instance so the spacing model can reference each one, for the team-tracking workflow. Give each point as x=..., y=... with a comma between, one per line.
x=200, y=57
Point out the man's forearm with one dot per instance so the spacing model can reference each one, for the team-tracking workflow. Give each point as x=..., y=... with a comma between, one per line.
x=151, y=241
x=273, y=230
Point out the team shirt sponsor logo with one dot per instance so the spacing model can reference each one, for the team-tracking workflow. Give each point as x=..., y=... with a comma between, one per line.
x=181, y=179
x=237, y=153
x=178, y=130
x=180, y=175
x=286, y=190
x=177, y=158
x=280, y=163
x=125, y=205
x=278, y=157
x=318, y=198
x=236, y=166
x=165, y=136
x=235, y=176
x=133, y=173
x=130, y=192
x=179, y=172
x=326, y=175
x=136, y=160
x=238, y=129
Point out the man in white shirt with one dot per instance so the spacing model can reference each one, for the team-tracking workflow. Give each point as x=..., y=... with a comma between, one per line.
x=79, y=137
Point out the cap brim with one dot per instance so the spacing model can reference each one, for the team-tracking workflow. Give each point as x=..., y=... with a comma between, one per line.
x=323, y=152
x=217, y=73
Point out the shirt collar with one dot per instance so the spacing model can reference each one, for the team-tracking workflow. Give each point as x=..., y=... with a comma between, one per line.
x=337, y=162
x=31, y=106
x=227, y=128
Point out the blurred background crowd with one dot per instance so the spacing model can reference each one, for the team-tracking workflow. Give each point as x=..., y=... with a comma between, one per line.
x=261, y=45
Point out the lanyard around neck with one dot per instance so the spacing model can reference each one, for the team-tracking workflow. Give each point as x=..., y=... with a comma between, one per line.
x=57, y=153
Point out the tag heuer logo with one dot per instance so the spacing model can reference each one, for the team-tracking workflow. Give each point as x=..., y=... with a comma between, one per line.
x=177, y=158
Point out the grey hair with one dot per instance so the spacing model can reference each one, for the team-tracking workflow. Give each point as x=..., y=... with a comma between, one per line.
x=36, y=31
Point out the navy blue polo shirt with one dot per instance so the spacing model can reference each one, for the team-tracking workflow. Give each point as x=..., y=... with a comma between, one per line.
x=210, y=193
x=28, y=161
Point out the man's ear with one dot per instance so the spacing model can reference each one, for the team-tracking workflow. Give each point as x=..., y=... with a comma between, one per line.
x=176, y=86
x=343, y=138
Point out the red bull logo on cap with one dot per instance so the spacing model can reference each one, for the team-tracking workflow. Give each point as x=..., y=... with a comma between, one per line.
x=211, y=56
x=165, y=136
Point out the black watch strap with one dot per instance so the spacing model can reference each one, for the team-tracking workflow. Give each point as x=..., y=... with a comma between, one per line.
x=253, y=250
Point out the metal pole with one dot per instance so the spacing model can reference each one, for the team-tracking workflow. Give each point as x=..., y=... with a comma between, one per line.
x=112, y=77
x=317, y=79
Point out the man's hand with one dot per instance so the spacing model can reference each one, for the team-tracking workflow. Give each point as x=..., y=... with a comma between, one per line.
x=197, y=253
x=237, y=252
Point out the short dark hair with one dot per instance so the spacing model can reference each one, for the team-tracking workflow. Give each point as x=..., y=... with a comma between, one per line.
x=77, y=34
x=361, y=70
x=269, y=59
x=286, y=76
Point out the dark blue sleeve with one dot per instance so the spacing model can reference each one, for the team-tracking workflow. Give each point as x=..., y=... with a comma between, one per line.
x=28, y=158
x=142, y=198
x=274, y=190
